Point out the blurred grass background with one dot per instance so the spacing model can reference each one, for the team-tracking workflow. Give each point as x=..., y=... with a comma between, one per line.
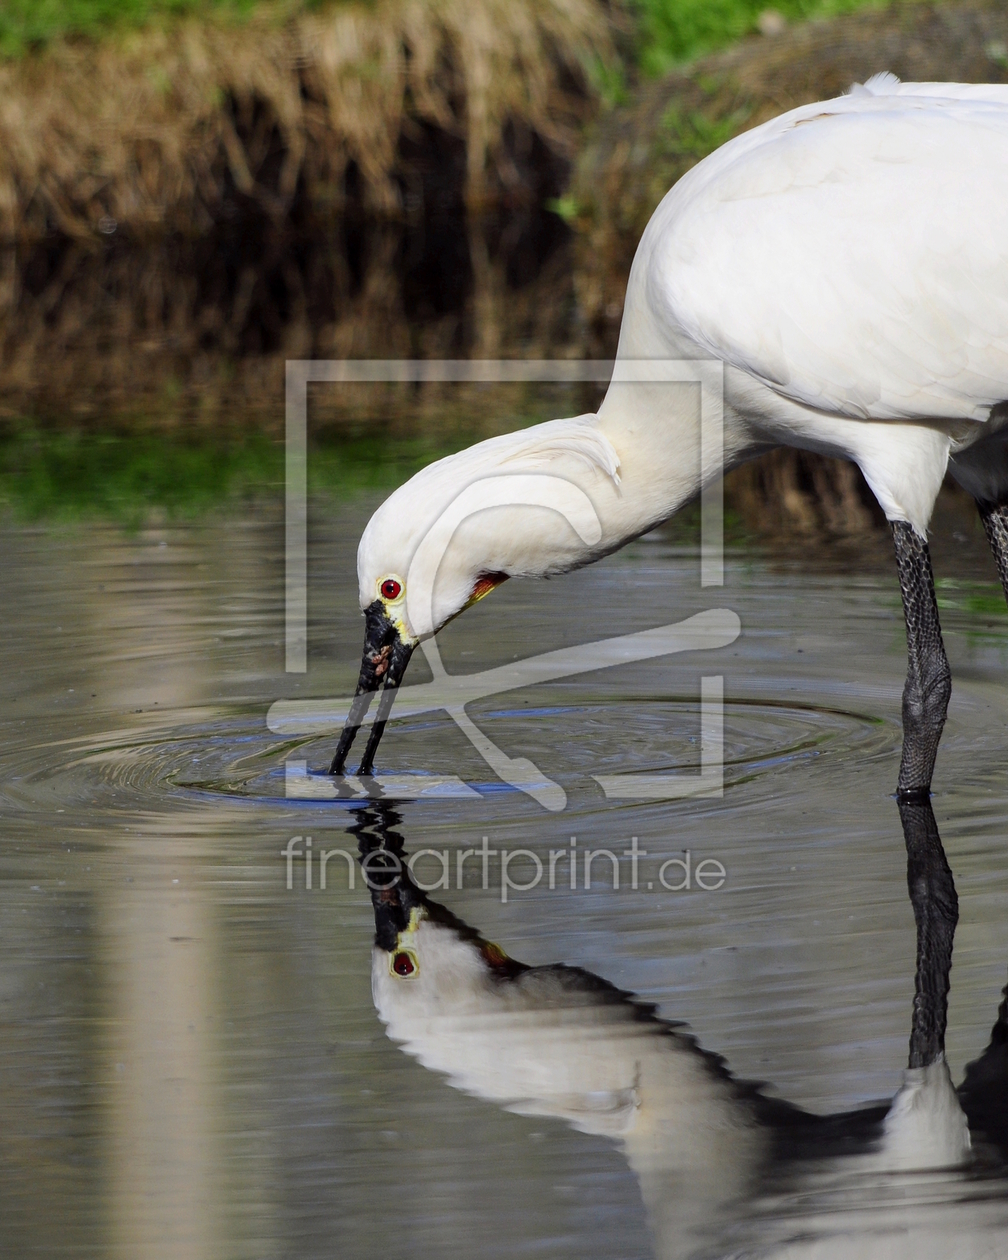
x=665, y=32
x=66, y=475
x=670, y=32
x=194, y=191
x=29, y=25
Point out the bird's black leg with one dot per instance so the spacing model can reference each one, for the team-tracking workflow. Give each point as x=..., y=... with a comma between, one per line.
x=995, y=523
x=929, y=680
x=936, y=911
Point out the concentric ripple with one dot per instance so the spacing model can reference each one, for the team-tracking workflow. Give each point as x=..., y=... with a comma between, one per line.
x=185, y=758
x=177, y=761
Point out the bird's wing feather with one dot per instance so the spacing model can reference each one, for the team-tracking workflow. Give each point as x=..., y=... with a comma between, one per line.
x=852, y=255
x=887, y=84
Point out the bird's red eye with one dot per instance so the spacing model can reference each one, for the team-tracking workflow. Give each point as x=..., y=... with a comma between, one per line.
x=402, y=964
x=391, y=589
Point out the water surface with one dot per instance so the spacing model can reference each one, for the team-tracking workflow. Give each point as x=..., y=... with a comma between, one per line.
x=190, y=1058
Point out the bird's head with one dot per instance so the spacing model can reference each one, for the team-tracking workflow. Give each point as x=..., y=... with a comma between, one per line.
x=424, y=957
x=518, y=505
x=419, y=564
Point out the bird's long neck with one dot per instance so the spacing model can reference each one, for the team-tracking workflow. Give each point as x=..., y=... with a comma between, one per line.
x=657, y=433
x=655, y=430
x=655, y=426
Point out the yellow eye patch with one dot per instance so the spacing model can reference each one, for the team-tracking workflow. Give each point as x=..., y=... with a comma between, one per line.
x=404, y=964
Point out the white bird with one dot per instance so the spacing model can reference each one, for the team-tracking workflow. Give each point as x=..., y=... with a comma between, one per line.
x=847, y=262
x=723, y=1167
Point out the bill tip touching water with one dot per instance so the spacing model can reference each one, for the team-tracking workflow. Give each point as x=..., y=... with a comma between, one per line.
x=814, y=257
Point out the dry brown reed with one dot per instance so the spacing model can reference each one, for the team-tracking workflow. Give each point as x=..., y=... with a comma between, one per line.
x=183, y=207
x=131, y=129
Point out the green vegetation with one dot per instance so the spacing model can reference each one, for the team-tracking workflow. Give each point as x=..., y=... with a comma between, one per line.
x=47, y=475
x=695, y=135
x=66, y=475
x=52, y=473
x=566, y=207
x=30, y=24
x=670, y=32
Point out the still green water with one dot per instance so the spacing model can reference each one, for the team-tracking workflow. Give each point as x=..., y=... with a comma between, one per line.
x=191, y=1063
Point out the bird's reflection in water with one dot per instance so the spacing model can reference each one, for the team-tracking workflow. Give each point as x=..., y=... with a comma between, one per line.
x=723, y=1168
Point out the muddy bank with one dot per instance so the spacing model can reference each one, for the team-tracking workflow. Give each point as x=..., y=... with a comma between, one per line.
x=182, y=209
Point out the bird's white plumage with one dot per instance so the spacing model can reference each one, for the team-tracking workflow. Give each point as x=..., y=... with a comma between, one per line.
x=410, y=518
x=847, y=262
x=557, y=1042
x=851, y=255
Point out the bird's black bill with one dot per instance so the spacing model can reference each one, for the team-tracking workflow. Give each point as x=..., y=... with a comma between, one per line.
x=383, y=661
x=399, y=659
x=394, y=895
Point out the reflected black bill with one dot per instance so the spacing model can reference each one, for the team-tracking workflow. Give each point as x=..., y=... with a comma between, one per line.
x=386, y=873
x=393, y=897
x=383, y=661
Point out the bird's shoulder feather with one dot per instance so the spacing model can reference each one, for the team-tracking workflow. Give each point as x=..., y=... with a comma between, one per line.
x=852, y=255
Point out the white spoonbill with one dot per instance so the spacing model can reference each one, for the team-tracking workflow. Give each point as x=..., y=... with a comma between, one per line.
x=723, y=1167
x=848, y=264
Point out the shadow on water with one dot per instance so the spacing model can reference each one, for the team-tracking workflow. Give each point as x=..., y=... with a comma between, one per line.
x=723, y=1166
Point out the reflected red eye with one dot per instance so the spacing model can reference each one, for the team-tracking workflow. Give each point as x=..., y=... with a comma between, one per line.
x=402, y=964
x=391, y=589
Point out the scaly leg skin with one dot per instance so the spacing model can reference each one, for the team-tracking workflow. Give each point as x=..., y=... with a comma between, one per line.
x=929, y=680
x=936, y=913
x=995, y=523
